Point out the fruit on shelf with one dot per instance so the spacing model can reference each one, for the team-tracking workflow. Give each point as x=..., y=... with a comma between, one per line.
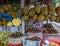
x=26, y=10
x=26, y=17
x=32, y=30
x=49, y=29
x=37, y=9
x=16, y=22
x=57, y=19
x=16, y=35
x=35, y=38
x=58, y=10
x=41, y=18
x=9, y=24
x=31, y=12
x=7, y=7
x=51, y=10
x=53, y=18
x=44, y=11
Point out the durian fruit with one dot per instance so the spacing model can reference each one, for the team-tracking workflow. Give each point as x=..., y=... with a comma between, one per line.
x=14, y=14
x=57, y=19
x=0, y=23
x=7, y=7
x=16, y=22
x=44, y=11
x=31, y=13
x=4, y=22
x=2, y=10
x=51, y=10
x=21, y=12
x=53, y=18
x=58, y=10
x=15, y=9
x=26, y=10
x=35, y=18
x=9, y=24
x=26, y=17
x=46, y=17
x=31, y=20
x=37, y=9
x=41, y=18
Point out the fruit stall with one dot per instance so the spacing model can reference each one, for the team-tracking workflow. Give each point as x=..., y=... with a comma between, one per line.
x=29, y=23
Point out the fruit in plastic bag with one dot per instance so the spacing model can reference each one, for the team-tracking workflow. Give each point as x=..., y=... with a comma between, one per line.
x=16, y=22
x=9, y=24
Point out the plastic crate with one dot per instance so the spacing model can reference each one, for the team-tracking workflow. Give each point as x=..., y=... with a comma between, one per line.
x=14, y=28
x=31, y=43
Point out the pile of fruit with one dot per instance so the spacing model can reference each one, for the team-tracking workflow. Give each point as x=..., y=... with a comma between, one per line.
x=4, y=38
x=49, y=29
x=16, y=35
x=31, y=29
x=35, y=38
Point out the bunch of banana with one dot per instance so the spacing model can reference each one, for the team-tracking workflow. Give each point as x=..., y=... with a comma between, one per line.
x=41, y=18
x=37, y=9
x=31, y=13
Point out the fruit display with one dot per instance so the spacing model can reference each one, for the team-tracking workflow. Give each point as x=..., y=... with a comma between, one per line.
x=3, y=38
x=15, y=35
x=57, y=19
x=51, y=10
x=49, y=29
x=41, y=18
x=37, y=9
x=53, y=18
x=58, y=10
x=31, y=13
x=34, y=38
x=16, y=22
x=26, y=10
x=31, y=29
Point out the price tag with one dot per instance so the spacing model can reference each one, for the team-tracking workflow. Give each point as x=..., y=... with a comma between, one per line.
x=13, y=29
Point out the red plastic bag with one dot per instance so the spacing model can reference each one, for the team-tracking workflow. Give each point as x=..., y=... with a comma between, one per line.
x=15, y=45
